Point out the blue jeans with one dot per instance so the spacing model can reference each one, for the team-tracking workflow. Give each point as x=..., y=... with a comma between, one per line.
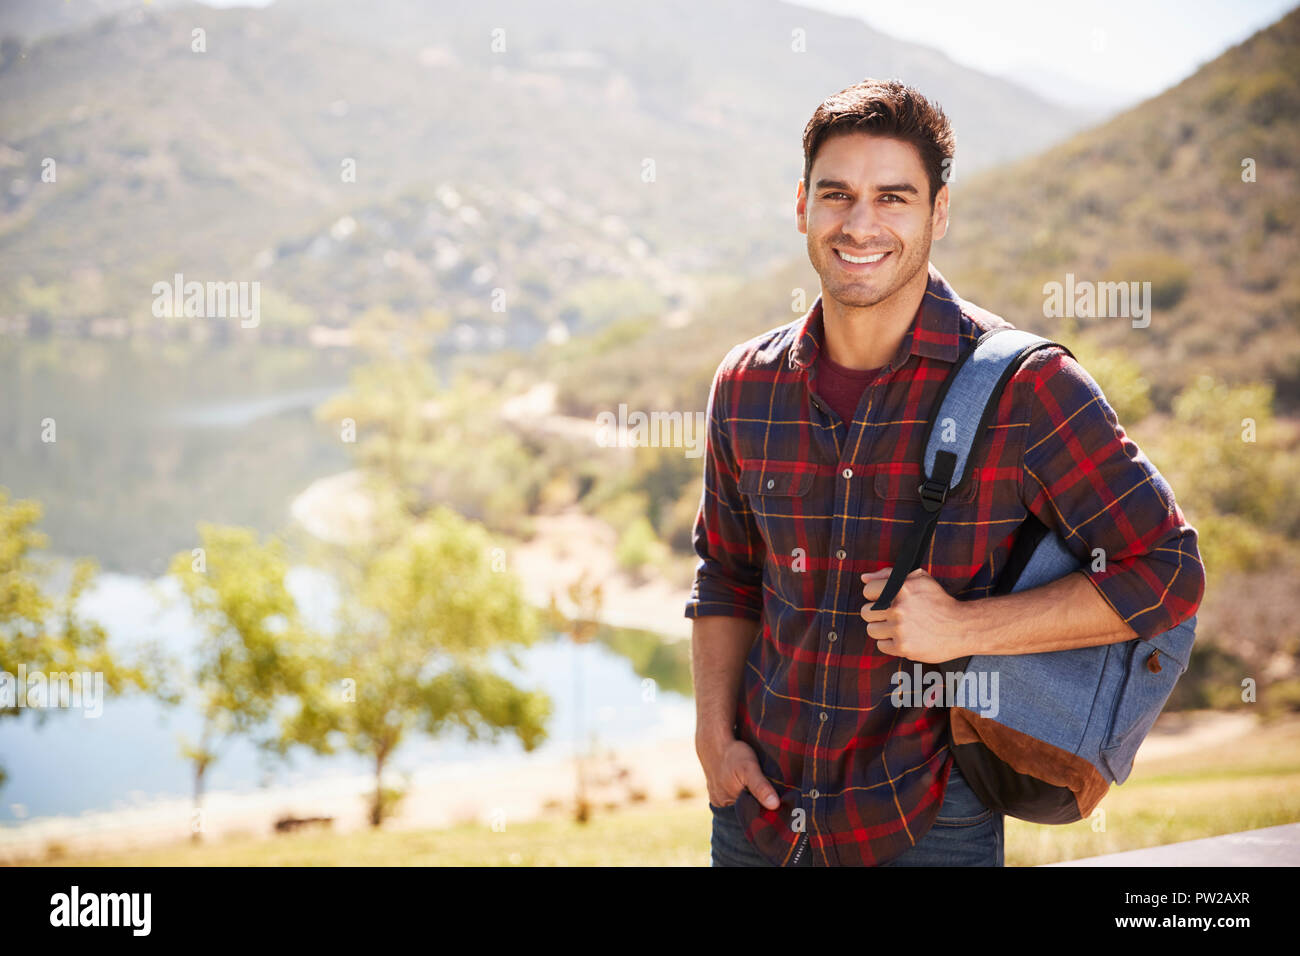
x=966, y=833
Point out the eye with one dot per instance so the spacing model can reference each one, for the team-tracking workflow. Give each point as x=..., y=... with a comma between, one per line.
x=892, y=196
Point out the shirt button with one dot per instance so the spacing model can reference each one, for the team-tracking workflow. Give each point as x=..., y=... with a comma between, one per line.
x=831, y=636
x=841, y=554
x=847, y=473
x=814, y=794
x=771, y=482
x=822, y=715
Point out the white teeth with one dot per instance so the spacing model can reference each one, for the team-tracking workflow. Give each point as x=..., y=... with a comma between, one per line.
x=848, y=258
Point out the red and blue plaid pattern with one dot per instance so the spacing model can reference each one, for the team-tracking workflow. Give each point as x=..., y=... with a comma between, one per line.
x=798, y=505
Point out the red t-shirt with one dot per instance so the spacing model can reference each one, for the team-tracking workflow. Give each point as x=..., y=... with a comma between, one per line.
x=841, y=388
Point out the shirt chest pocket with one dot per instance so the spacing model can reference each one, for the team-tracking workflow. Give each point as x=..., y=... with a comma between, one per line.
x=906, y=486
x=898, y=507
x=973, y=535
x=780, y=495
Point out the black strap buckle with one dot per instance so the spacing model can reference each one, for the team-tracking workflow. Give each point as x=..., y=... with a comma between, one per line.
x=933, y=494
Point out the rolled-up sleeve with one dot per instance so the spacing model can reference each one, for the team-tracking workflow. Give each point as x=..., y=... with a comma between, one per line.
x=1087, y=480
x=729, y=576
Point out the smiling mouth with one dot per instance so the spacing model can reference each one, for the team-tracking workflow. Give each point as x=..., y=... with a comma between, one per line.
x=860, y=260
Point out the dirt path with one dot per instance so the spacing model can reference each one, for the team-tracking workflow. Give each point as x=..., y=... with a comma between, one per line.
x=1179, y=733
x=570, y=543
x=503, y=790
x=337, y=509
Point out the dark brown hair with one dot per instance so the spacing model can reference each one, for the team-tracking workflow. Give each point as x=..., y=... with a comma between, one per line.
x=883, y=108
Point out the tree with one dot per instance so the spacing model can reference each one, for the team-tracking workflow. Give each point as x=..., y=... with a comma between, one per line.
x=253, y=652
x=413, y=437
x=44, y=634
x=1233, y=468
x=586, y=598
x=418, y=618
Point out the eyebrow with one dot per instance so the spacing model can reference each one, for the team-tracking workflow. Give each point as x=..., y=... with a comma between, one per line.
x=887, y=188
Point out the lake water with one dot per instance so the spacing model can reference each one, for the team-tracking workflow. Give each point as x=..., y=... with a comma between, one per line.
x=149, y=441
x=130, y=754
x=152, y=439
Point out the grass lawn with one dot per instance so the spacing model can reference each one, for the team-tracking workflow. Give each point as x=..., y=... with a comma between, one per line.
x=1252, y=782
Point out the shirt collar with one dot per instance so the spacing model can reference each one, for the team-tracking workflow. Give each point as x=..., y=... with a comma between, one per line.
x=934, y=332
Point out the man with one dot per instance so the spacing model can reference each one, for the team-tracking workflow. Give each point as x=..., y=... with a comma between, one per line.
x=816, y=434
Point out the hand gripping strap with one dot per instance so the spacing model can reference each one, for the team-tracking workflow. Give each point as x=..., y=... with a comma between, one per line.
x=966, y=402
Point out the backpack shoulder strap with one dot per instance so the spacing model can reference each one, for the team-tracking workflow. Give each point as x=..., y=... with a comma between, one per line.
x=966, y=402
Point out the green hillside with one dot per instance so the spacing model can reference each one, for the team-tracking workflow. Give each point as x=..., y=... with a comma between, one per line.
x=220, y=163
x=1154, y=195
x=1209, y=389
x=1157, y=195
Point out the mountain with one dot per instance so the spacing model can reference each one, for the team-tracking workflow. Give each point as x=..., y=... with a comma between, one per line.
x=1096, y=99
x=675, y=124
x=1155, y=195
x=1194, y=191
x=35, y=19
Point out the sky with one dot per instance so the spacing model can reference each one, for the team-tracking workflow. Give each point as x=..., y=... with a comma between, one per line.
x=1122, y=51
x=1102, y=54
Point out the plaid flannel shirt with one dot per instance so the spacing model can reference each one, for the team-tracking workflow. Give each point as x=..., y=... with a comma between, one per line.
x=797, y=505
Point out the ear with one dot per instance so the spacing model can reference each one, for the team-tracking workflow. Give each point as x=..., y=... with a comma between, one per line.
x=801, y=208
x=939, y=217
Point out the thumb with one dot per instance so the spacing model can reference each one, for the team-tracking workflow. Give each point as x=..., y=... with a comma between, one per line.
x=878, y=573
x=757, y=784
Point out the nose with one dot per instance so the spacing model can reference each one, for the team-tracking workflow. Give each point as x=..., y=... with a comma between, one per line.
x=862, y=224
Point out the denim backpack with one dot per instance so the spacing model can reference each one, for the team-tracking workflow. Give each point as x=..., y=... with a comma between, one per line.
x=1064, y=725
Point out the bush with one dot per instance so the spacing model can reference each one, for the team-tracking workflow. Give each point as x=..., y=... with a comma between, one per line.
x=637, y=546
x=1169, y=276
x=1212, y=680
x=1281, y=697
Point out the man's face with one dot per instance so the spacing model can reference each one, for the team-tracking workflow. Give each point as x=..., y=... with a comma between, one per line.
x=869, y=196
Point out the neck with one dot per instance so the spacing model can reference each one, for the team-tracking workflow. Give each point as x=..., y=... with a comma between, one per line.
x=864, y=337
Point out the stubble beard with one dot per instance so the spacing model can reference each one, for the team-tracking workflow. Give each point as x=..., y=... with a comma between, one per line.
x=852, y=294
